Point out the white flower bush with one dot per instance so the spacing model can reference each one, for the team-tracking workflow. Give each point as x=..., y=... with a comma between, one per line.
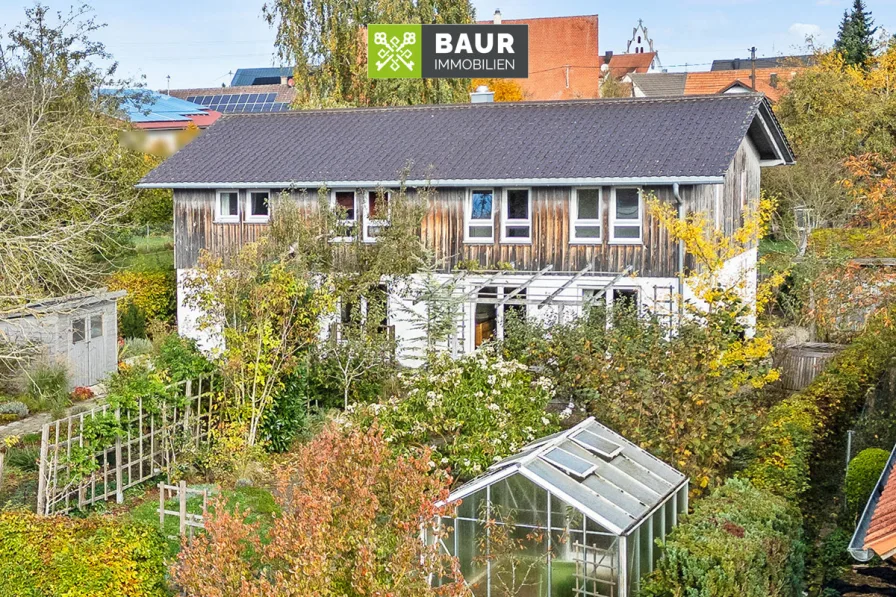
x=473, y=411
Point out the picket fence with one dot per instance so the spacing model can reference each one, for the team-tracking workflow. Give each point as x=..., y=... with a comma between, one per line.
x=151, y=442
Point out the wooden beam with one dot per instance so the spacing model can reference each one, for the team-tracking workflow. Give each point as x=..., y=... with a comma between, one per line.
x=566, y=285
x=603, y=291
x=526, y=284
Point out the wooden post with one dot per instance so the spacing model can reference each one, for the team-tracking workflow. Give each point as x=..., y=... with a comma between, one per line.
x=183, y=507
x=119, y=491
x=42, y=470
x=162, y=506
x=2, y=459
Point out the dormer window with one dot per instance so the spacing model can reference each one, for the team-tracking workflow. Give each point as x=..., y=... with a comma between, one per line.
x=480, y=216
x=258, y=208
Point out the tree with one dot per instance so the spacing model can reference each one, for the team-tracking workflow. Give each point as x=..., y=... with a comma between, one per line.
x=66, y=183
x=351, y=522
x=855, y=40
x=326, y=41
x=612, y=87
x=506, y=90
x=264, y=314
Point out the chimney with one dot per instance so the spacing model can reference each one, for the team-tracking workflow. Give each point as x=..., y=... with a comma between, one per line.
x=482, y=96
x=497, y=18
x=773, y=80
x=283, y=80
x=607, y=57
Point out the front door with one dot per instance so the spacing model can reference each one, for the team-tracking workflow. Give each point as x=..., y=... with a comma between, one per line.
x=88, y=348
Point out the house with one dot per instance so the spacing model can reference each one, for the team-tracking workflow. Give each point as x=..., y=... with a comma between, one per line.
x=875, y=533
x=546, y=199
x=564, y=61
x=586, y=505
x=242, y=98
x=161, y=120
x=770, y=81
x=80, y=331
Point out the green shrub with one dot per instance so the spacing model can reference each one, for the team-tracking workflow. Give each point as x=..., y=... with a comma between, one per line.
x=15, y=408
x=135, y=347
x=287, y=416
x=46, y=388
x=88, y=557
x=739, y=541
x=474, y=411
x=787, y=441
x=132, y=322
x=180, y=359
x=153, y=293
x=861, y=477
x=24, y=458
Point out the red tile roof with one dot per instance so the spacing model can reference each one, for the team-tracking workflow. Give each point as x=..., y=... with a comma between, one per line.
x=881, y=535
x=564, y=60
x=623, y=64
x=703, y=83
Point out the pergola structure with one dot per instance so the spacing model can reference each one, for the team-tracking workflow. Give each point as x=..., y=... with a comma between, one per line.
x=575, y=514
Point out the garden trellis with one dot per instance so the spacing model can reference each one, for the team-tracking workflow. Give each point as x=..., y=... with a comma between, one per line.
x=148, y=440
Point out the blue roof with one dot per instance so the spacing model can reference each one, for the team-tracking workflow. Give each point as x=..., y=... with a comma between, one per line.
x=143, y=105
x=247, y=76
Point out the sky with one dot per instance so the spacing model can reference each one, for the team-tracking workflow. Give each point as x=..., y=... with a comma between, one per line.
x=199, y=43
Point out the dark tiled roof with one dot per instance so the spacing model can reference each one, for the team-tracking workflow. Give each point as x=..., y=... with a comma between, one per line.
x=773, y=62
x=643, y=138
x=248, y=76
x=660, y=84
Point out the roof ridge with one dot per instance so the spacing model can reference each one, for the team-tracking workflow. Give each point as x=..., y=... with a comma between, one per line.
x=505, y=105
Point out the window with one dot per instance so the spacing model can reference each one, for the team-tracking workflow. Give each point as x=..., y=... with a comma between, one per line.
x=517, y=216
x=625, y=216
x=598, y=304
x=227, y=206
x=480, y=216
x=518, y=310
x=96, y=326
x=79, y=331
x=344, y=204
x=486, y=316
x=376, y=214
x=586, y=213
x=258, y=207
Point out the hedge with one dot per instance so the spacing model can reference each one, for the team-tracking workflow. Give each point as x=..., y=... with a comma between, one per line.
x=861, y=478
x=87, y=557
x=786, y=443
x=154, y=293
x=738, y=542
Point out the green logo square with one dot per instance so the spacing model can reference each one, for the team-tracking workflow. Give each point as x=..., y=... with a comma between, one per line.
x=394, y=51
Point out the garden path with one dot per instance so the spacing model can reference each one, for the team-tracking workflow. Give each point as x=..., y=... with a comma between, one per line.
x=34, y=423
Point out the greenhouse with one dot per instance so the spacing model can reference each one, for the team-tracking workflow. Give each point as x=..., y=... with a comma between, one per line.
x=575, y=514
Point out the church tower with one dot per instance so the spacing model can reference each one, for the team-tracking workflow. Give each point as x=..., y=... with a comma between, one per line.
x=640, y=43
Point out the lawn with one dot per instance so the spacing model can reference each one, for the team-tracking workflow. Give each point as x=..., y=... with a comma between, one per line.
x=259, y=502
x=149, y=253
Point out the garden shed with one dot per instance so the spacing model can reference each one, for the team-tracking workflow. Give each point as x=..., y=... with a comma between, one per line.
x=575, y=514
x=78, y=330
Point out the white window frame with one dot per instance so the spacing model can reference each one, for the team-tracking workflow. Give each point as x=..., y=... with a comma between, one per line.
x=576, y=221
x=468, y=221
x=609, y=298
x=365, y=217
x=355, y=223
x=507, y=222
x=614, y=221
x=252, y=219
x=219, y=216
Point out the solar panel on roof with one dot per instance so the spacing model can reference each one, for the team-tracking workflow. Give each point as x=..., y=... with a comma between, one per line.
x=568, y=462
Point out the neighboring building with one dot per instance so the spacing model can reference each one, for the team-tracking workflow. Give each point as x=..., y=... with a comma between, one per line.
x=587, y=507
x=547, y=198
x=162, y=119
x=875, y=533
x=641, y=43
x=564, y=60
x=80, y=331
x=245, y=98
x=772, y=82
x=270, y=75
x=619, y=65
x=776, y=62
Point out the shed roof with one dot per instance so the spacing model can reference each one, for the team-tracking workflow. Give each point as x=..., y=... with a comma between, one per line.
x=594, y=469
x=649, y=140
x=63, y=304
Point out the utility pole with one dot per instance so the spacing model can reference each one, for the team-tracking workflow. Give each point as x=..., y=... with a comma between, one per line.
x=753, y=68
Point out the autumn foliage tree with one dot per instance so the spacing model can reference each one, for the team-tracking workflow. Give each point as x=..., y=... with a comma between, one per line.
x=351, y=523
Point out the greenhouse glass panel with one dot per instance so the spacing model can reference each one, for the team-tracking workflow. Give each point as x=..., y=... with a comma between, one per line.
x=523, y=501
x=645, y=544
x=473, y=505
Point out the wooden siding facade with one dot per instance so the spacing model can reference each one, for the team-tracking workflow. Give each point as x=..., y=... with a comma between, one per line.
x=656, y=255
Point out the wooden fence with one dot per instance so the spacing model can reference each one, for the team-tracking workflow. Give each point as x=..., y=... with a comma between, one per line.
x=800, y=364
x=187, y=521
x=151, y=440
